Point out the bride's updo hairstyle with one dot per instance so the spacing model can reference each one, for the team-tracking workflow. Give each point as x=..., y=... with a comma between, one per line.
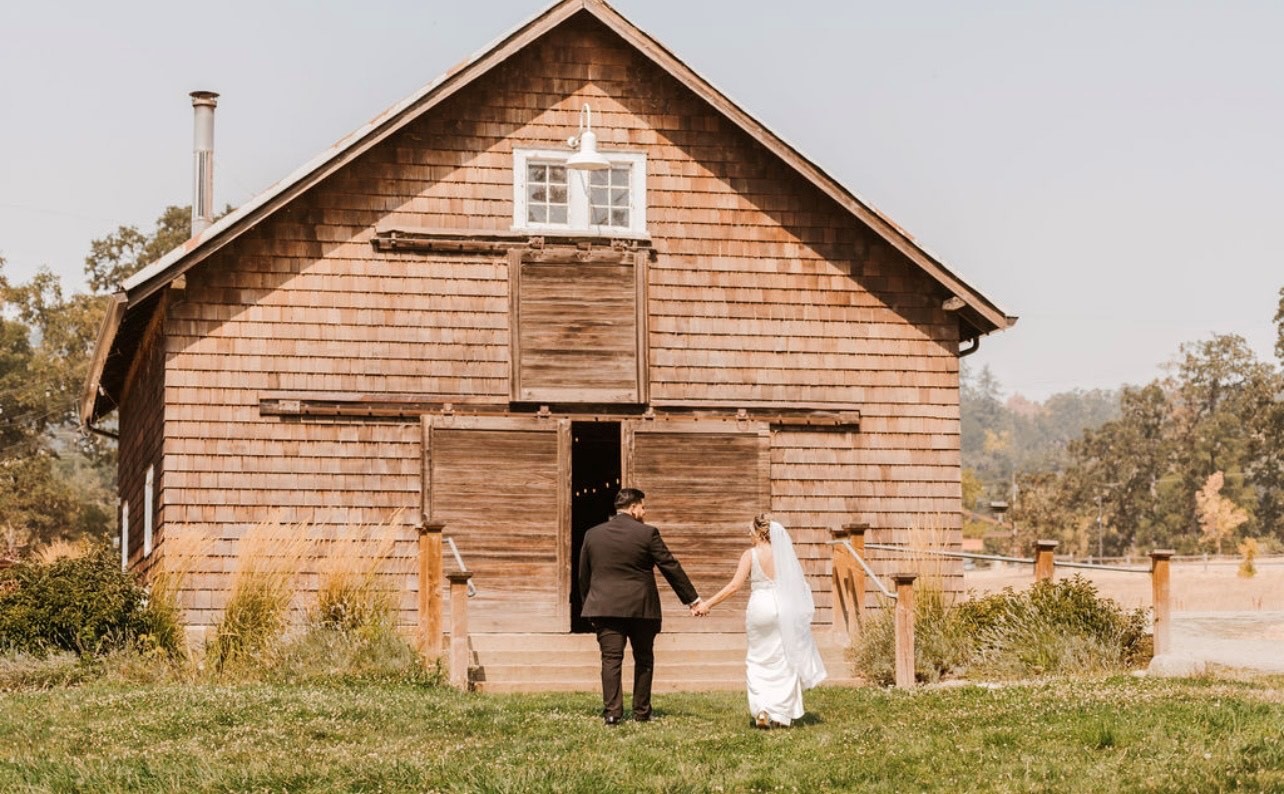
x=761, y=526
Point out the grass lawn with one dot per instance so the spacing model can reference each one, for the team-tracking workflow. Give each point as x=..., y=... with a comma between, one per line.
x=1116, y=734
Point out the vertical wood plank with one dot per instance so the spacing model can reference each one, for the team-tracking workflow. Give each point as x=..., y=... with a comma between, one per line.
x=563, y=539
x=641, y=275
x=514, y=324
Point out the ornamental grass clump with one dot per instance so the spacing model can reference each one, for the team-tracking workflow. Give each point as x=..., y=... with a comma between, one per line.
x=269, y=560
x=942, y=642
x=358, y=577
x=351, y=629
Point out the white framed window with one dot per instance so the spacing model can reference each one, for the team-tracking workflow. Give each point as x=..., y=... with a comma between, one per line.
x=124, y=536
x=149, y=501
x=549, y=196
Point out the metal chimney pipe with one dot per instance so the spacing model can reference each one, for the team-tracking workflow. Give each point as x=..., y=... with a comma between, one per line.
x=203, y=104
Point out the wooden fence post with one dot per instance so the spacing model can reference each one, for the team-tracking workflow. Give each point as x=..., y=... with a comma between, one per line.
x=1044, y=561
x=904, y=629
x=1161, y=601
x=459, y=627
x=848, y=580
x=856, y=534
x=430, y=589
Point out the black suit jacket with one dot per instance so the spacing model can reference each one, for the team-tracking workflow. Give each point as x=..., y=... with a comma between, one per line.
x=617, y=563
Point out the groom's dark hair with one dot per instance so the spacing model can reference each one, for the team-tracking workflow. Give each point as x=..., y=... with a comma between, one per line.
x=627, y=497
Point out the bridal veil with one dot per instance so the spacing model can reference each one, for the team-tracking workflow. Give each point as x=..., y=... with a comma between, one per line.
x=796, y=609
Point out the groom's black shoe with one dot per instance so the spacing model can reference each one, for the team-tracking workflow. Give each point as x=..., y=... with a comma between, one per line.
x=610, y=721
x=647, y=718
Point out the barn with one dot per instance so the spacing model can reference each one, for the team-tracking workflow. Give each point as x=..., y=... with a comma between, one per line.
x=456, y=318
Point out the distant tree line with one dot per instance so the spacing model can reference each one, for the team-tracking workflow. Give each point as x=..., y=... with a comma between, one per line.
x=1193, y=460
x=57, y=481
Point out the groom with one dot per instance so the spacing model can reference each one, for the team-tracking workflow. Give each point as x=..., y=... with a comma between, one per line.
x=617, y=583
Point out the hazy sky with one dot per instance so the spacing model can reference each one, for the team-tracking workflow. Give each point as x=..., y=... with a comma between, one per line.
x=1111, y=172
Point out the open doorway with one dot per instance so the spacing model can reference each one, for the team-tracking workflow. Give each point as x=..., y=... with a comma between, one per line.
x=595, y=478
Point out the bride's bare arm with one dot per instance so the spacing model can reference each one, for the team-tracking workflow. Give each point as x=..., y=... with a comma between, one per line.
x=742, y=573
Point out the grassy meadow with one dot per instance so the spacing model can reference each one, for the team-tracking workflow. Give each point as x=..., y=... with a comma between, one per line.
x=1105, y=734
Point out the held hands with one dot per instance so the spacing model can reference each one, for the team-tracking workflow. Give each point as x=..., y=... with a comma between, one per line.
x=700, y=608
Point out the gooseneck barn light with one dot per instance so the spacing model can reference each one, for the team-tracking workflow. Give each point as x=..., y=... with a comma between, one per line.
x=587, y=158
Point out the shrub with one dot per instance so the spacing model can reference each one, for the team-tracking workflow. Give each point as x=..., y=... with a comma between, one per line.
x=85, y=605
x=1062, y=627
x=1053, y=627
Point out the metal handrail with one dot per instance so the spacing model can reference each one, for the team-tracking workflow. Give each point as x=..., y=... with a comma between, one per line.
x=968, y=555
x=459, y=560
x=847, y=544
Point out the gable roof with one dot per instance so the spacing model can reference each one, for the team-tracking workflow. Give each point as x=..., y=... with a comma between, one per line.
x=140, y=290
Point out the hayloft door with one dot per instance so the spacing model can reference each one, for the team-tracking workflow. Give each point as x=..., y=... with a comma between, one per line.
x=704, y=479
x=501, y=487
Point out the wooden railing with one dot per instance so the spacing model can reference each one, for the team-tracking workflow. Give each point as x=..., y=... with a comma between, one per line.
x=851, y=572
x=430, y=628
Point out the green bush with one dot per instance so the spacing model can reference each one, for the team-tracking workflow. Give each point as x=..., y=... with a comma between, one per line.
x=85, y=605
x=1053, y=627
x=1061, y=627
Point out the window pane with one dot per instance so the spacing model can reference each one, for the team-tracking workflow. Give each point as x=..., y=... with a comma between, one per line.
x=538, y=194
x=557, y=194
x=620, y=197
x=620, y=218
x=620, y=177
x=597, y=196
x=537, y=173
x=537, y=213
x=599, y=215
x=557, y=173
x=598, y=177
x=557, y=214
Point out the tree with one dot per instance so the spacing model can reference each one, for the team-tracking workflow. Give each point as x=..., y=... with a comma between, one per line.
x=1218, y=516
x=124, y=252
x=55, y=479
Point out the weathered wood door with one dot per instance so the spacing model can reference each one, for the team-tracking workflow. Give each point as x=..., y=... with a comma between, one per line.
x=501, y=486
x=704, y=479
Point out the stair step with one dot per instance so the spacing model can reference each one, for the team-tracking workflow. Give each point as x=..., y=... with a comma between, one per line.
x=538, y=662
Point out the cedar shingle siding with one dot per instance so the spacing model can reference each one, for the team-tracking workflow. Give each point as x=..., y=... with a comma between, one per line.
x=761, y=292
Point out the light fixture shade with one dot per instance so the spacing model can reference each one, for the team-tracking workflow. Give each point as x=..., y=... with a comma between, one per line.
x=587, y=158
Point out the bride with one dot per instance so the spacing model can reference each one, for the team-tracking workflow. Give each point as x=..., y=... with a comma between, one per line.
x=782, y=659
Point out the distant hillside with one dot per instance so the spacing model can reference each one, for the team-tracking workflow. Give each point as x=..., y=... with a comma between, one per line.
x=1007, y=437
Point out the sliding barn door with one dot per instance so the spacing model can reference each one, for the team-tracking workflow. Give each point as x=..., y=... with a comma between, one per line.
x=501, y=487
x=704, y=479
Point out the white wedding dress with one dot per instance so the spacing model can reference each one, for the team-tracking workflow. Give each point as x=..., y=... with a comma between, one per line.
x=782, y=659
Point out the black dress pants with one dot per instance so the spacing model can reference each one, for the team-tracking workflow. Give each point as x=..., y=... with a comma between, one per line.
x=640, y=633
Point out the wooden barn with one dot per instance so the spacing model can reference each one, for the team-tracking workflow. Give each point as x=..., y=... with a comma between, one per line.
x=455, y=314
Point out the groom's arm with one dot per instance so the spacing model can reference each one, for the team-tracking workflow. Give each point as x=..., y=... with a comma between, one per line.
x=672, y=570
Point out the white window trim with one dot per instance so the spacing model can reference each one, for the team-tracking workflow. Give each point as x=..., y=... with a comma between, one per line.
x=577, y=213
x=149, y=502
x=124, y=535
